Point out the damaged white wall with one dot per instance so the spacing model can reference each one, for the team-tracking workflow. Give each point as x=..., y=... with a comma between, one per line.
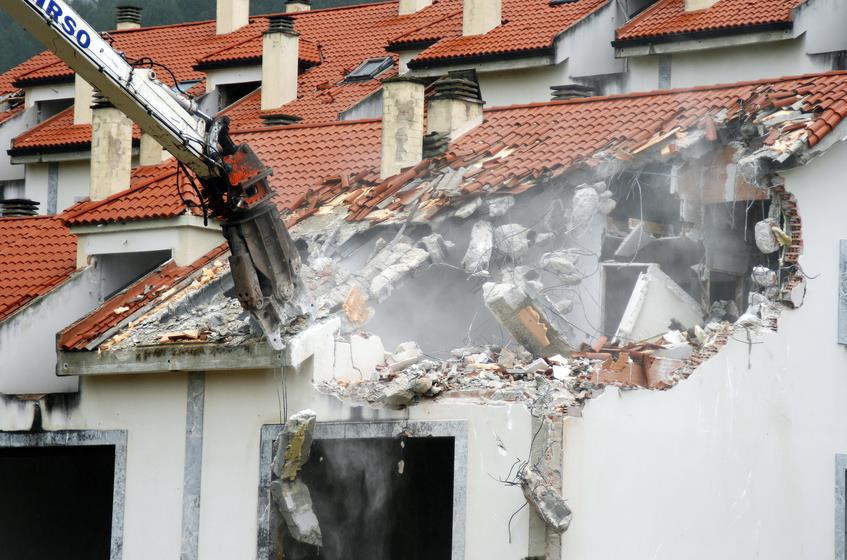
x=738, y=461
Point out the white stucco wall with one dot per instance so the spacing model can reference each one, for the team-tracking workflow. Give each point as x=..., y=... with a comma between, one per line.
x=726, y=65
x=74, y=179
x=736, y=462
x=10, y=130
x=822, y=21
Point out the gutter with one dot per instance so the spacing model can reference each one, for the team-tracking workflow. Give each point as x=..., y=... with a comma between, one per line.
x=549, y=52
x=699, y=35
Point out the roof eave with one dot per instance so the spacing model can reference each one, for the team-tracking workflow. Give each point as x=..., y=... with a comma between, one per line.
x=706, y=34
x=481, y=59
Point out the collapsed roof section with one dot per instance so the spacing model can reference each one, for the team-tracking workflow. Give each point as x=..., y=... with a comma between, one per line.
x=579, y=228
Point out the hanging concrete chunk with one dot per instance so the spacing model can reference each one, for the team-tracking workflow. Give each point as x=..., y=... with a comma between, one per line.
x=563, y=265
x=294, y=445
x=524, y=320
x=481, y=246
x=294, y=503
x=545, y=500
x=766, y=240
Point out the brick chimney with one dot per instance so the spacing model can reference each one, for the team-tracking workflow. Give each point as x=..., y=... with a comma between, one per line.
x=82, y=100
x=402, y=124
x=293, y=6
x=456, y=106
x=232, y=15
x=111, y=150
x=694, y=5
x=280, y=63
x=481, y=16
x=412, y=6
x=129, y=17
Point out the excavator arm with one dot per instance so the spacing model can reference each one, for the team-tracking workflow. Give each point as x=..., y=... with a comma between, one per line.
x=233, y=181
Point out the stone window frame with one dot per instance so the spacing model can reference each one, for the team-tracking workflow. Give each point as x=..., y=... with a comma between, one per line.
x=458, y=430
x=84, y=438
x=840, y=509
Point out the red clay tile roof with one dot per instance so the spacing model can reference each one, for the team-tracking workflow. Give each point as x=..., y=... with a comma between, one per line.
x=300, y=156
x=123, y=306
x=244, y=48
x=8, y=78
x=58, y=132
x=153, y=195
x=36, y=255
x=528, y=26
x=668, y=17
x=519, y=147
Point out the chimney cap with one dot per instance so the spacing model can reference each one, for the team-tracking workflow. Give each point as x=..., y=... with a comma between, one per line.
x=281, y=24
x=280, y=119
x=100, y=101
x=128, y=13
x=18, y=208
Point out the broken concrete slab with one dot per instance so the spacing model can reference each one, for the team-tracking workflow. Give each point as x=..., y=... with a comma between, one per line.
x=407, y=354
x=367, y=352
x=524, y=320
x=294, y=503
x=481, y=246
x=500, y=205
x=513, y=240
x=437, y=247
x=545, y=500
x=563, y=264
x=406, y=260
x=294, y=445
x=656, y=301
x=344, y=363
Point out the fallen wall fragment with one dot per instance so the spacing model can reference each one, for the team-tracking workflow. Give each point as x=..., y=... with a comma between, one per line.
x=545, y=500
x=290, y=496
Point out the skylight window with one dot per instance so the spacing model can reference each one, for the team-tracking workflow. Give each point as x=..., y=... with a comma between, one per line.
x=370, y=69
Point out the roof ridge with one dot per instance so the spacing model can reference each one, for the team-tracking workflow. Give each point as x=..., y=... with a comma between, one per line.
x=663, y=92
x=256, y=130
x=395, y=41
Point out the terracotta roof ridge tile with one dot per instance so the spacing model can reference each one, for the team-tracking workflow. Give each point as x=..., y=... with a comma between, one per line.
x=396, y=40
x=256, y=130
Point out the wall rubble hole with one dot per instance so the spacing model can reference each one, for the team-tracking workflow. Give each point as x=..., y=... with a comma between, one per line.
x=380, y=498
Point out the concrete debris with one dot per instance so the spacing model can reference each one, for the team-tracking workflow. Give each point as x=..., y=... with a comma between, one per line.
x=563, y=265
x=294, y=503
x=195, y=335
x=294, y=445
x=766, y=239
x=524, y=320
x=437, y=247
x=407, y=354
x=586, y=204
x=289, y=493
x=500, y=206
x=367, y=354
x=513, y=240
x=468, y=209
x=407, y=259
x=545, y=500
x=481, y=246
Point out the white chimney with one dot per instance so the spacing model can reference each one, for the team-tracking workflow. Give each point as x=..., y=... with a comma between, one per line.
x=456, y=106
x=280, y=63
x=150, y=152
x=82, y=101
x=129, y=17
x=481, y=16
x=402, y=124
x=111, y=150
x=412, y=6
x=694, y=5
x=232, y=15
x=293, y=6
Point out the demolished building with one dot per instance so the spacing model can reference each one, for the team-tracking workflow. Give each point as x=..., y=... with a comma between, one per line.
x=528, y=324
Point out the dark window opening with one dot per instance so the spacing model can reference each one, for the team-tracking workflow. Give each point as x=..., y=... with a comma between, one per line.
x=370, y=69
x=57, y=502
x=618, y=284
x=380, y=499
x=52, y=107
x=120, y=270
x=230, y=93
